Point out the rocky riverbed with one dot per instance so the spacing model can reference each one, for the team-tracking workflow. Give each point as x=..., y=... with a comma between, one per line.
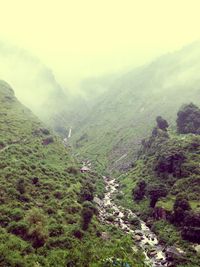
x=109, y=212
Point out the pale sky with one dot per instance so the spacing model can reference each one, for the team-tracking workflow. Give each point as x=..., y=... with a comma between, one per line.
x=81, y=38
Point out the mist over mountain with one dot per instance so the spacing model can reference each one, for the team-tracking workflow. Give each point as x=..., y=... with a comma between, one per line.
x=35, y=85
x=124, y=113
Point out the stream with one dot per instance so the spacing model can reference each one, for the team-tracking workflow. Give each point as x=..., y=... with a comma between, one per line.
x=144, y=238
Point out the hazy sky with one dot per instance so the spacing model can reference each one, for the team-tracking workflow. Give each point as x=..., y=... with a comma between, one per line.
x=80, y=38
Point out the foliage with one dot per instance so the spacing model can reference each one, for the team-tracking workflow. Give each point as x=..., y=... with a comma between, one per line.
x=188, y=119
x=181, y=206
x=162, y=123
x=42, y=197
x=155, y=193
x=139, y=190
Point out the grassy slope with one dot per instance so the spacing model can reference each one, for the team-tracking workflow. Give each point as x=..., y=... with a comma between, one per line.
x=124, y=114
x=188, y=183
x=39, y=199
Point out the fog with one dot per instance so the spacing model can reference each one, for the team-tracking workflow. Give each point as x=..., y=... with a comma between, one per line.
x=34, y=84
x=62, y=55
x=80, y=39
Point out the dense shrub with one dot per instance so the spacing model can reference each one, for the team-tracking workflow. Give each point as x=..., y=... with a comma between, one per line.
x=191, y=226
x=37, y=223
x=170, y=162
x=56, y=230
x=21, y=186
x=87, y=191
x=188, y=119
x=162, y=123
x=87, y=214
x=181, y=205
x=156, y=192
x=18, y=228
x=139, y=191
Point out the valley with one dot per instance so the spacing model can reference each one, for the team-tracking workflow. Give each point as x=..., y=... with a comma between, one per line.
x=99, y=133
x=115, y=179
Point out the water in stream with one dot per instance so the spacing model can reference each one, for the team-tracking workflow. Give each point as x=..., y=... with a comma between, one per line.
x=145, y=238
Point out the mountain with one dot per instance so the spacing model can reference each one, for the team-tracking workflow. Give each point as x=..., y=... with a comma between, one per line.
x=36, y=86
x=113, y=130
x=163, y=186
x=47, y=213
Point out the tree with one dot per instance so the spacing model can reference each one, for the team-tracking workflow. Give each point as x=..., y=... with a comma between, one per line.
x=155, y=193
x=188, y=119
x=181, y=205
x=191, y=227
x=87, y=191
x=139, y=191
x=162, y=123
x=87, y=214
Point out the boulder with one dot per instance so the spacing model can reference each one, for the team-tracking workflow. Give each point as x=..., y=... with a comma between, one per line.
x=137, y=238
x=98, y=201
x=105, y=236
x=138, y=232
x=197, y=249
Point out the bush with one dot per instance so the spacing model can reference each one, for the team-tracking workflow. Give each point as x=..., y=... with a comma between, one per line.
x=63, y=242
x=155, y=193
x=169, y=162
x=181, y=206
x=20, y=186
x=16, y=214
x=18, y=228
x=78, y=233
x=139, y=191
x=188, y=119
x=87, y=191
x=37, y=223
x=191, y=228
x=56, y=230
x=87, y=214
x=162, y=123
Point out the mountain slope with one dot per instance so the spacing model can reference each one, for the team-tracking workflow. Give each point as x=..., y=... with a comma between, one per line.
x=36, y=87
x=164, y=187
x=124, y=115
x=47, y=214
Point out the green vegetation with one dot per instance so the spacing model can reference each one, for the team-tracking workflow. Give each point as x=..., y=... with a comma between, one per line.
x=111, y=131
x=188, y=120
x=166, y=186
x=47, y=214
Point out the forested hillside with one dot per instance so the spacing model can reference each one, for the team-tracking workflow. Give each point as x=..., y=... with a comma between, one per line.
x=163, y=185
x=47, y=214
x=112, y=132
x=36, y=87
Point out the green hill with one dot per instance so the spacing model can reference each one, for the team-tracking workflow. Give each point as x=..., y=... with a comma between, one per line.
x=112, y=132
x=37, y=88
x=163, y=186
x=47, y=214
